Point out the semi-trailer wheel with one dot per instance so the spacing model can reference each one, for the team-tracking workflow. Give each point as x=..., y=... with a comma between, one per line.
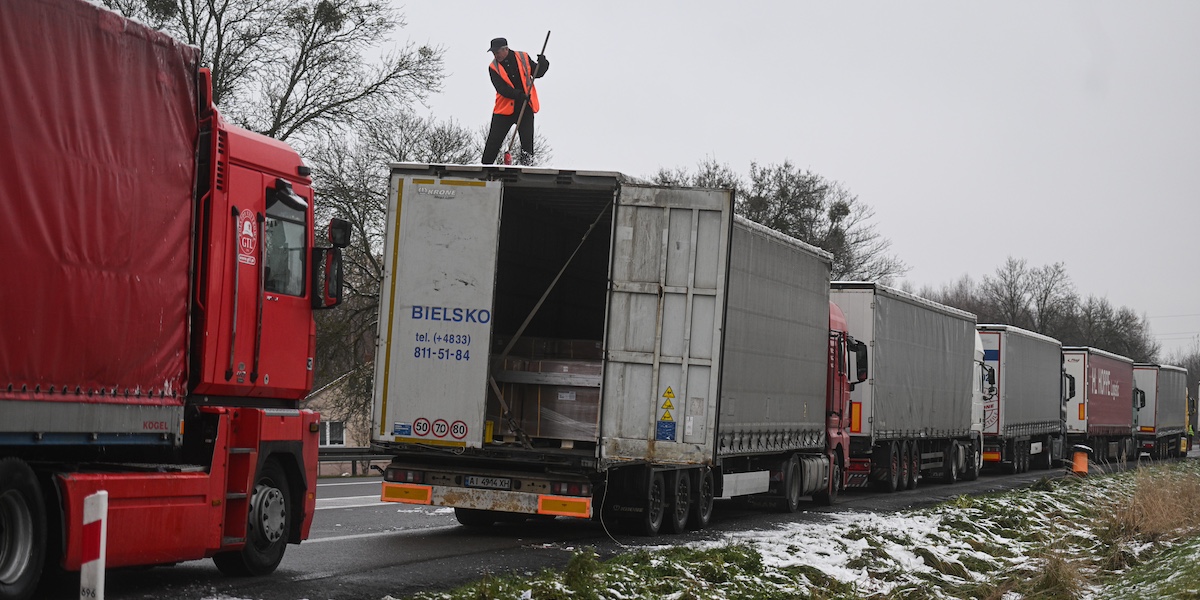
x=652, y=517
x=950, y=463
x=1011, y=466
x=905, y=465
x=702, y=498
x=471, y=517
x=1044, y=460
x=22, y=530
x=914, y=464
x=887, y=466
x=680, y=487
x=269, y=523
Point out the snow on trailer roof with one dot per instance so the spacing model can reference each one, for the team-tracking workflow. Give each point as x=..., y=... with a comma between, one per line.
x=1160, y=367
x=1097, y=351
x=785, y=238
x=1017, y=330
x=903, y=296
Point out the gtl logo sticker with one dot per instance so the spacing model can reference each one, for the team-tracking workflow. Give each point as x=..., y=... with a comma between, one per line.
x=247, y=239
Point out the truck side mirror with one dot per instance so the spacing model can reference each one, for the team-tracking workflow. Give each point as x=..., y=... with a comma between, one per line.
x=1070, y=381
x=1139, y=398
x=991, y=376
x=339, y=233
x=327, y=277
x=862, y=364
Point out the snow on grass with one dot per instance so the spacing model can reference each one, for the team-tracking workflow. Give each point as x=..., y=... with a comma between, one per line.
x=1094, y=538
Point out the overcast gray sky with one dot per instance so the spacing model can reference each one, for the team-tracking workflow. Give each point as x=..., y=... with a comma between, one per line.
x=1050, y=131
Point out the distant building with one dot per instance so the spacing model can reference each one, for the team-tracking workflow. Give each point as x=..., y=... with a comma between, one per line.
x=337, y=434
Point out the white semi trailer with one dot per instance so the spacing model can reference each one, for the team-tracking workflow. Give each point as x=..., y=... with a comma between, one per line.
x=568, y=343
x=921, y=411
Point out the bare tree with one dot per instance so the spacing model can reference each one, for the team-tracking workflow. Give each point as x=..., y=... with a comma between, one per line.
x=806, y=206
x=1008, y=291
x=285, y=68
x=1051, y=297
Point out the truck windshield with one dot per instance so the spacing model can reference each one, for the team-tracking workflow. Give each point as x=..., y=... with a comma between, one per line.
x=285, y=250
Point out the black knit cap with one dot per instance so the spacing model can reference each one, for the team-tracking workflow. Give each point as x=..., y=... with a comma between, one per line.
x=498, y=43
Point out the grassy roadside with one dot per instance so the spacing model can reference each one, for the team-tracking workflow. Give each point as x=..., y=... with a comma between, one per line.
x=1127, y=535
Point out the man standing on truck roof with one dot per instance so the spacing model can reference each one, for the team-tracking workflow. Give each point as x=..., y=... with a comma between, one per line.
x=515, y=94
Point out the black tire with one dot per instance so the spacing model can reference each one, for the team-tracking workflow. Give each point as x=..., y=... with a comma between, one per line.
x=950, y=463
x=471, y=517
x=791, y=485
x=974, y=463
x=887, y=467
x=22, y=530
x=704, y=493
x=679, y=488
x=656, y=506
x=1044, y=460
x=914, y=465
x=902, y=478
x=1013, y=465
x=829, y=495
x=268, y=528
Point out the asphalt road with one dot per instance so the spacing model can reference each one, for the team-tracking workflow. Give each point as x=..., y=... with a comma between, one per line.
x=361, y=548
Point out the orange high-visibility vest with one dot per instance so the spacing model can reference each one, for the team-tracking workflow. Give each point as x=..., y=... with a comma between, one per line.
x=504, y=105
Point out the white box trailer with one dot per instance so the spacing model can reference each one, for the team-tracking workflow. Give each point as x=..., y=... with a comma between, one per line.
x=1160, y=422
x=554, y=341
x=921, y=410
x=1024, y=422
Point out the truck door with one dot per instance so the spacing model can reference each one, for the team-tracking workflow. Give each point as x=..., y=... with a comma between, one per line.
x=286, y=342
x=663, y=333
x=431, y=372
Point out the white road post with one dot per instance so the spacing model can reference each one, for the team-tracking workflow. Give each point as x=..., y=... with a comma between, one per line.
x=95, y=542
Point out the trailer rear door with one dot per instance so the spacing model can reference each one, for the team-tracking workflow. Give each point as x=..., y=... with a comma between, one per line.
x=665, y=314
x=436, y=311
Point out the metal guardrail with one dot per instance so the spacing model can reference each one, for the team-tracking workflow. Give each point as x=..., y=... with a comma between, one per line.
x=352, y=456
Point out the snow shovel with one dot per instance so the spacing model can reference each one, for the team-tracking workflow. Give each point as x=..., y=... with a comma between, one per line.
x=529, y=86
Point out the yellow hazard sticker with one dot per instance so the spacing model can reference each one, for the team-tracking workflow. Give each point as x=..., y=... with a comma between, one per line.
x=669, y=393
x=667, y=405
x=666, y=416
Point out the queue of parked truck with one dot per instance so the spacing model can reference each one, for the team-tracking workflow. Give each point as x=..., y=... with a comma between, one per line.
x=551, y=342
x=584, y=344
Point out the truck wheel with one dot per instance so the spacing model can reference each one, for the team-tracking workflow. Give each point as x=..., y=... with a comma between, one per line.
x=886, y=462
x=268, y=526
x=905, y=465
x=22, y=530
x=974, y=463
x=703, y=496
x=828, y=496
x=1044, y=460
x=914, y=465
x=791, y=484
x=680, y=487
x=656, y=506
x=950, y=463
x=1012, y=466
x=470, y=517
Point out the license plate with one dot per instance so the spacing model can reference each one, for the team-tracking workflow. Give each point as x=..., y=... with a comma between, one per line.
x=492, y=483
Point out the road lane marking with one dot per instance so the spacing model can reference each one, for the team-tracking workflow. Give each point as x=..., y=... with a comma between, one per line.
x=373, y=482
x=350, y=502
x=357, y=536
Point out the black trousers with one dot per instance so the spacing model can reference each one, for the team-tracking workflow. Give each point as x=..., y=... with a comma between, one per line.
x=501, y=124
